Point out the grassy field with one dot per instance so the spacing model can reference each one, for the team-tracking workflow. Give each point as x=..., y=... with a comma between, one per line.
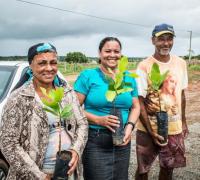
x=68, y=69
x=194, y=72
x=73, y=69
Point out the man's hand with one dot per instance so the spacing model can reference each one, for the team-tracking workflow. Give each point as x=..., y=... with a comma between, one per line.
x=73, y=163
x=185, y=129
x=184, y=123
x=157, y=139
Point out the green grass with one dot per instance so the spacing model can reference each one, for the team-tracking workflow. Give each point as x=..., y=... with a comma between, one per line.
x=66, y=68
x=194, y=72
x=195, y=67
x=193, y=76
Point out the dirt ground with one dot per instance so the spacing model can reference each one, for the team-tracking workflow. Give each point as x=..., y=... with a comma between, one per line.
x=71, y=78
x=192, y=143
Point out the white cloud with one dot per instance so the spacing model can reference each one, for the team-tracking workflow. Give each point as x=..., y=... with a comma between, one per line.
x=22, y=24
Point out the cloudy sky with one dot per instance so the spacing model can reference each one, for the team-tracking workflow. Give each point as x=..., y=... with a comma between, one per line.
x=23, y=24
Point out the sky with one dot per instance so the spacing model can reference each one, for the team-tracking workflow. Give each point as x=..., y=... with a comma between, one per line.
x=80, y=25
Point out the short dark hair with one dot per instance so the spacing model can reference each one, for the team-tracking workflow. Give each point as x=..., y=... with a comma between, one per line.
x=107, y=39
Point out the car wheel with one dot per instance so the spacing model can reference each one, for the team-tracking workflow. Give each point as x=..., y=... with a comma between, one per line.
x=3, y=170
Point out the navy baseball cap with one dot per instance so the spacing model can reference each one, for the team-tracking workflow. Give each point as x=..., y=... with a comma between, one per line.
x=39, y=48
x=163, y=29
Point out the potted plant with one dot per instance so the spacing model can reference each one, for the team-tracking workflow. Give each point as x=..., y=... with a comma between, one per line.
x=52, y=104
x=155, y=83
x=117, y=86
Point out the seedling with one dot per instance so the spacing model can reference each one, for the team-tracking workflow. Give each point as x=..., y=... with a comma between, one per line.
x=52, y=104
x=116, y=87
x=156, y=80
x=156, y=77
x=116, y=84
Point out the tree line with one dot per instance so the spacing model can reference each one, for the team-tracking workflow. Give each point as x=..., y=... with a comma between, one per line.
x=79, y=57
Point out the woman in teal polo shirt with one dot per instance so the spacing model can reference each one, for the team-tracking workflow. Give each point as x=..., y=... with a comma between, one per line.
x=101, y=159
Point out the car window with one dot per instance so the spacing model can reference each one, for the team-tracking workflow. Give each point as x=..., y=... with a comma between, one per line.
x=24, y=71
x=6, y=75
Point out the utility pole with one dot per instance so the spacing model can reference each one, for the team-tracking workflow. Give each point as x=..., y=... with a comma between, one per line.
x=190, y=50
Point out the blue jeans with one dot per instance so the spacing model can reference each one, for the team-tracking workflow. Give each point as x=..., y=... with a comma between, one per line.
x=102, y=160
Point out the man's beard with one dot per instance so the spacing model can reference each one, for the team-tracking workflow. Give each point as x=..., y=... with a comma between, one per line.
x=165, y=52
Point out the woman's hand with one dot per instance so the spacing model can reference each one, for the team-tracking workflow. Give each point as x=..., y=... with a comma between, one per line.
x=109, y=121
x=74, y=161
x=127, y=134
x=48, y=177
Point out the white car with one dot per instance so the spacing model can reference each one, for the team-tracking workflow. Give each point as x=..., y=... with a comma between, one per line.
x=10, y=73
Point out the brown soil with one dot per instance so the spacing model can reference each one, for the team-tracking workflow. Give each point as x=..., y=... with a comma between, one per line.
x=71, y=78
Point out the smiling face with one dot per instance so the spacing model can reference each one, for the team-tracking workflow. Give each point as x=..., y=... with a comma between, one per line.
x=44, y=67
x=163, y=44
x=110, y=54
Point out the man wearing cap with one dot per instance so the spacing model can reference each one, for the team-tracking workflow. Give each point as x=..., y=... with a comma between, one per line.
x=148, y=142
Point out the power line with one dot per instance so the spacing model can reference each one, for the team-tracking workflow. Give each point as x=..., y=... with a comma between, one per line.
x=103, y=18
x=84, y=14
x=93, y=16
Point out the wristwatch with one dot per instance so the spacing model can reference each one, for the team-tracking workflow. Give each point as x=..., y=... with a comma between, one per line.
x=131, y=123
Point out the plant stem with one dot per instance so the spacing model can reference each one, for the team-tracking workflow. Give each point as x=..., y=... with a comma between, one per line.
x=59, y=145
x=159, y=100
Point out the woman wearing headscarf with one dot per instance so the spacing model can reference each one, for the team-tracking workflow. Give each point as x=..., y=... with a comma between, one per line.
x=29, y=135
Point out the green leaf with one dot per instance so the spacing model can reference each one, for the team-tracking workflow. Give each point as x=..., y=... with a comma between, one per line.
x=155, y=73
x=155, y=86
x=128, y=84
x=133, y=75
x=155, y=68
x=44, y=91
x=124, y=90
x=66, y=112
x=123, y=63
x=50, y=103
x=59, y=93
x=111, y=87
x=155, y=77
x=119, y=79
x=110, y=95
x=163, y=77
x=51, y=111
x=55, y=95
x=109, y=79
x=117, y=85
x=123, y=84
x=52, y=94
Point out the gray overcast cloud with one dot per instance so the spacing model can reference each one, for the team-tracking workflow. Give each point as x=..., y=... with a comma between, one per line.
x=22, y=25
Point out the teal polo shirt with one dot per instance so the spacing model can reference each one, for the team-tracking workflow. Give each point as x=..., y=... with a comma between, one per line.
x=93, y=84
